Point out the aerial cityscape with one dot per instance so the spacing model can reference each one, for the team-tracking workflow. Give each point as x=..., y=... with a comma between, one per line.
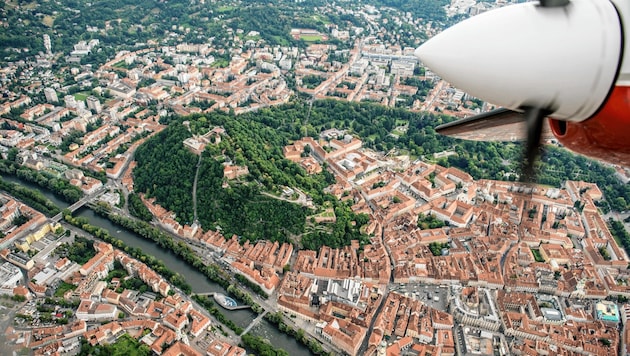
x=233, y=177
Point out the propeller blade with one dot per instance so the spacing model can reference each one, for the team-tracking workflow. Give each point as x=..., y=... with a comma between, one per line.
x=535, y=118
x=553, y=3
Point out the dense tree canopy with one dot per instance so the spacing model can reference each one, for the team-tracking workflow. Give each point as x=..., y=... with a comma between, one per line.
x=80, y=251
x=131, y=22
x=61, y=187
x=166, y=170
x=125, y=345
x=426, y=9
x=138, y=209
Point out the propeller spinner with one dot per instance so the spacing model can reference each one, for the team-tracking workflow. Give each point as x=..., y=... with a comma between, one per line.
x=555, y=58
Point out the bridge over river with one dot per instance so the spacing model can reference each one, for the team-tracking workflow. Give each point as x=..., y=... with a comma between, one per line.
x=254, y=322
x=74, y=207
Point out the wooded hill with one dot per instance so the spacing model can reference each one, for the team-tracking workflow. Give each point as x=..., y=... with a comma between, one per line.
x=166, y=169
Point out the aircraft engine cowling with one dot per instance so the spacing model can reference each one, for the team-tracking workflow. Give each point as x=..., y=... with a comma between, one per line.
x=603, y=136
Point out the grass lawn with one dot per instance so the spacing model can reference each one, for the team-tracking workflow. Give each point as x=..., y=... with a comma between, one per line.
x=225, y=8
x=281, y=40
x=121, y=64
x=63, y=288
x=80, y=96
x=221, y=63
x=537, y=255
x=48, y=21
x=320, y=18
x=328, y=213
x=311, y=38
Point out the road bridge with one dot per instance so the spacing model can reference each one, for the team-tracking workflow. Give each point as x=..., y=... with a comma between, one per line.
x=74, y=207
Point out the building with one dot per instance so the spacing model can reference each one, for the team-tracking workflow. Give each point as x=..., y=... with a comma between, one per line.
x=607, y=311
x=403, y=68
x=70, y=101
x=47, y=44
x=552, y=315
x=10, y=277
x=121, y=90
x=51, y=94
x=94, y=104
x=90, y=310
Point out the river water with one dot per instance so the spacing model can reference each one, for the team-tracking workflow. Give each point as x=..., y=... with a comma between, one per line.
x=198, y=282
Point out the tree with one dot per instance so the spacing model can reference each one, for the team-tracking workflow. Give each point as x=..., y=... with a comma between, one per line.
x=429, y=222
x=12, y=154
x=436, y=248
x=620, y=203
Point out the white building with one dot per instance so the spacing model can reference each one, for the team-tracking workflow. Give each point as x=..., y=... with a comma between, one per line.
x=94, y=104
x=90, y=310
x=121, y=90
x=285, y=64
x=403, y=67
x=70, y=101
x=51, y=95
x=47, y=44
x=346, y=291
x=10, y=277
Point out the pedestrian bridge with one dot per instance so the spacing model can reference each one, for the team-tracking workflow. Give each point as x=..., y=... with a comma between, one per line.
x=254, y=322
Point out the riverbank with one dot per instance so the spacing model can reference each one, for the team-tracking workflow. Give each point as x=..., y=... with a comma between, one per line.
x=254, y=342
x=182, y=251
x=198, y=281
x=153, y=263
x=313, y=345
x=314, y=348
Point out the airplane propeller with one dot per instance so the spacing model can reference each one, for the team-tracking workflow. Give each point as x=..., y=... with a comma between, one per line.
x=529, y=58
x=534, y=118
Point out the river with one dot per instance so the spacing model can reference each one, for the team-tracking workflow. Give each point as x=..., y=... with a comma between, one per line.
x=198, y=282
